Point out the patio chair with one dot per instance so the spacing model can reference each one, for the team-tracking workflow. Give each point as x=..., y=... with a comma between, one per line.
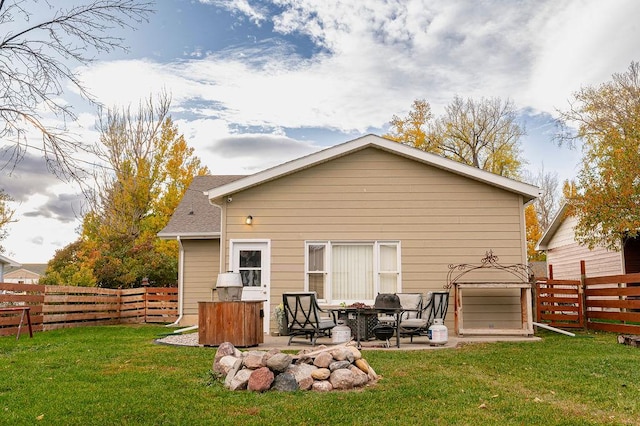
x=303, y=317
x=436, y=306
x=411, y=304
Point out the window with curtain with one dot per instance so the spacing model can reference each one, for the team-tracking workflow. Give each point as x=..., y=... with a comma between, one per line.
x=352, y=271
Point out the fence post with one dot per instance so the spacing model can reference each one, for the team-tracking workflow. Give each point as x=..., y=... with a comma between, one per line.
x=583, y=296
x=146, y=298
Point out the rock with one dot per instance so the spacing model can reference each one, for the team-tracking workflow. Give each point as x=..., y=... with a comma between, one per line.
x=337, y=365
x=225, y=364
x=271, y=353
x=225, y=349
x=341, y=353
x=240, y=380
x=360, y=378
x=356, y=353
x=279, y=362
x=260, y=380
x=323, y=360
x=255, y=359
x=285, y=382
x=322, y=386
x=321, y=374
x=362, y=364
x=232, y=372
x=342, y=378
x=302, y=373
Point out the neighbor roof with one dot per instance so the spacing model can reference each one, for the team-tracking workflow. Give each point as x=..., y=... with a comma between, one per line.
x=194, y=217
x=543, y=244
x=36, y=268
x=529, y=192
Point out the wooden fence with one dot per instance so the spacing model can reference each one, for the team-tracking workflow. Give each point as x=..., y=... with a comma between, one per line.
x=55, y=307
x=608, y=303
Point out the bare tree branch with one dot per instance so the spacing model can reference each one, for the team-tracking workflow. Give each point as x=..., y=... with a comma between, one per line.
x=35, y=67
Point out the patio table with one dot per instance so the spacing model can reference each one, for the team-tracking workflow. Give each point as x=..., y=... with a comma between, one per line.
x=362, y=313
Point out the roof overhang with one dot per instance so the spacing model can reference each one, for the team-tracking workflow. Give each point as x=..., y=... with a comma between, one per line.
x=528, y=192
x=543, y=244
x=189, y=235
x=6, y=261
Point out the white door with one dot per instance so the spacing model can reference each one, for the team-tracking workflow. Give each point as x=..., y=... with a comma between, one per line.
x=252, y=260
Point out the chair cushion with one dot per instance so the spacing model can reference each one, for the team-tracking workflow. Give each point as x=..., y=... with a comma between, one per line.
x=326, y=323
x=410, y=301
x=413, y=323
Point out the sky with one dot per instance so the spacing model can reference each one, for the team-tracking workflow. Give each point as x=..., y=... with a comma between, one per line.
x=257, y=83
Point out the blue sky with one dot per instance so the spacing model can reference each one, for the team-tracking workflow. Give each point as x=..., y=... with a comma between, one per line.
x=257, y=83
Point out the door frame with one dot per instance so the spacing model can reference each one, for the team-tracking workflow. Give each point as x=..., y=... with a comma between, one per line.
x=265, y=246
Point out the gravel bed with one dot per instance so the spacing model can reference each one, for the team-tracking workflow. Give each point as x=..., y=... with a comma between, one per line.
x=189, y=339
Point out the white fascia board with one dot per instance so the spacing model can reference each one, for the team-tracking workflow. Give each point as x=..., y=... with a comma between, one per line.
x=189, y=235
x=529, y=192
x=543, y=244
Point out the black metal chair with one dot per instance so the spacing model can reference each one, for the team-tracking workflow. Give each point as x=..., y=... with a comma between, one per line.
x=435, y=307
x=302, y=315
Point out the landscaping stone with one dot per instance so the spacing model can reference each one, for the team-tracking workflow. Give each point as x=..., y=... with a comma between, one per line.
x=337, y=365
x=323, y=360
x=322, y=386
x=321, y=374
x=240, y=380
x=342, y=378
x=302, y=373
x=285, y=382
x=323, y=369
x=279, y=362
x=260, y=380
x=255, y=359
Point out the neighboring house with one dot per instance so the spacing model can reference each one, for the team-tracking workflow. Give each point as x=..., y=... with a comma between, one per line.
x=5, y=262
x=27, y=273
x=367, y=216
x=564, y=253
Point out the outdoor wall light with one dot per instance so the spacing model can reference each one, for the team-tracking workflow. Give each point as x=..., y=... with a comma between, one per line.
x=249, y=220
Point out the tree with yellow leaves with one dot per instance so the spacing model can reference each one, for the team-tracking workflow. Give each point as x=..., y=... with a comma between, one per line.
x=606, y=199
x=534, y=232
x=483, y=134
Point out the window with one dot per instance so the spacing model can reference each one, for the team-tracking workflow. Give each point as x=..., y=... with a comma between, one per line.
x=352, y=271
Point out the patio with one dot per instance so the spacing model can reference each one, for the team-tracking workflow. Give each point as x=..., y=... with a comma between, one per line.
x=419, y=342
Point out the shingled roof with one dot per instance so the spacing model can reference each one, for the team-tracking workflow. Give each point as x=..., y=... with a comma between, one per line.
x=195, y=217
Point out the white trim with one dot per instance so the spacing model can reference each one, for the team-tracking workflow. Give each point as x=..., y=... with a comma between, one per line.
x=190, y=235
x=529, y=192
x=543, y=244
x=328, y=244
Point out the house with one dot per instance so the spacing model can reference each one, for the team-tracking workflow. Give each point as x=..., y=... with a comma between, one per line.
x=564, y=253
x=367, y=216
x=5, y=262
x=27, y=273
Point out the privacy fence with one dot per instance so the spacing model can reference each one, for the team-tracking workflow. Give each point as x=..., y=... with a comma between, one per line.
x=53, y=307
x=608, y=303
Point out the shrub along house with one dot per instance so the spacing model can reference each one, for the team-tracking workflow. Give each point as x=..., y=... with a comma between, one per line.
x=365, y=217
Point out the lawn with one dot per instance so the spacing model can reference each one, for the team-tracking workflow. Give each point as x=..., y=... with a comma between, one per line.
x=117, y=375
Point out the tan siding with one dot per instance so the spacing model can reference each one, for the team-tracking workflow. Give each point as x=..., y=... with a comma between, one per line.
x=564, y=255
x=201, y=267
x=440, y=218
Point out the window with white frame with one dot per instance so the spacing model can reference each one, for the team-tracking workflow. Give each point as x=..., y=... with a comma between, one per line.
x=352, y=271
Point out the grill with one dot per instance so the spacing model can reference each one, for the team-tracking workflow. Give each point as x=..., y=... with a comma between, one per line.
x=384, y=331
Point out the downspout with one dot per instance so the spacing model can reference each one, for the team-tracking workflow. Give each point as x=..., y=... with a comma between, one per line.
x=180, y=284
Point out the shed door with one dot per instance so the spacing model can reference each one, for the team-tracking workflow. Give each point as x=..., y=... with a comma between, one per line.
x=252, y=260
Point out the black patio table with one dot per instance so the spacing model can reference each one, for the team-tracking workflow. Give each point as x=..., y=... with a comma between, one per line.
x=362, y=313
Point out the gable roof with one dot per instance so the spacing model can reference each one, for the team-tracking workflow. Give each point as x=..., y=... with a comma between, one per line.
x=543, y=244
x=6, y=261
x=35, y=268
x=529, y=192
x=195, y=217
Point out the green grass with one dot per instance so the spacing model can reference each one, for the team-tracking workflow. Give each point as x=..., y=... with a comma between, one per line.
x=117, y=375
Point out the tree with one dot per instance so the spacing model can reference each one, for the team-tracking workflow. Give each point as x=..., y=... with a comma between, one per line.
x=151, y=168
x=483, y=134
x=37, y=62
x=6, y=215
x=607, y=195
x=547, y=203
x=534, y=232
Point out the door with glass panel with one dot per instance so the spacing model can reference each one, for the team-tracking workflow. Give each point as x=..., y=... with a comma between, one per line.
x=252, y=261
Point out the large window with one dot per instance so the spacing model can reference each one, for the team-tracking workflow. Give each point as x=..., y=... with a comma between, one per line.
x=352, y=271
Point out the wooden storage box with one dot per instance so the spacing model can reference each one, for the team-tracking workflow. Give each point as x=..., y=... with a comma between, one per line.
x=239, y=323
